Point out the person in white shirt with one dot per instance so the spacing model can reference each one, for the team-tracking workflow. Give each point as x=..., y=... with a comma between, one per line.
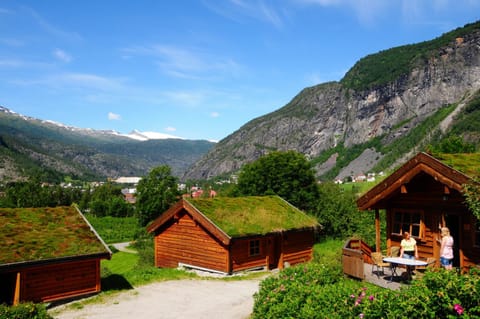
x=408, y=247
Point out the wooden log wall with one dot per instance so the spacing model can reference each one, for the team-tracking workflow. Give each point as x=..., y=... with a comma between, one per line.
x=185, y=241
x=297, y=247
x=240, y=250
x=60, y=281
x=470, y=252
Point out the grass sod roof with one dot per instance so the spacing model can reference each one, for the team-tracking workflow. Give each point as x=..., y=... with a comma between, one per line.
x=39, y=234
x=466, y=163
x=253, y=215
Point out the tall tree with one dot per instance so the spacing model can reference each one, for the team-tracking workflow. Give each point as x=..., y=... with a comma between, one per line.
x=155, y=194
x=286, y=174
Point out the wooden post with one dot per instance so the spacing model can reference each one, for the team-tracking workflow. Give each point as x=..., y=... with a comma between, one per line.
x=377, y=231
x=16, y=297
x=98, y=280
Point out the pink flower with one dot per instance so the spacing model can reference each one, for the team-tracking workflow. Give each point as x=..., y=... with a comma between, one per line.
x=458, y=308
x=361, y=315
x=371, y=298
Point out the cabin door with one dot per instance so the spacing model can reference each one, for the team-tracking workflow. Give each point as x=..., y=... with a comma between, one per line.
x=274, y=244
x=453, y=224
x=7, y=287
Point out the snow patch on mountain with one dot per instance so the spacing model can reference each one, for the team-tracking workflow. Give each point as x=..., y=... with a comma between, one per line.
x=145, y=136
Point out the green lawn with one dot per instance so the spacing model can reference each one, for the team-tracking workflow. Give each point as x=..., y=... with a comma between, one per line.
x=329, y=252
x=123, y=272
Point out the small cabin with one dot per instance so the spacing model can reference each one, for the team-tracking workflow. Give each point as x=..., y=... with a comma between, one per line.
x=48, y=254
x=228, y=235
x=423, y=195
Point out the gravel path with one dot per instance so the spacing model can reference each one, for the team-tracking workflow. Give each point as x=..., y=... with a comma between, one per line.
x=178, y=299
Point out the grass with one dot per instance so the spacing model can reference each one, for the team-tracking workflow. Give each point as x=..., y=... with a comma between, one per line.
x=252, y=215
x=328, y=252
x=44, y=233
x=468, y=164
x=360, y=187
x=123, y=272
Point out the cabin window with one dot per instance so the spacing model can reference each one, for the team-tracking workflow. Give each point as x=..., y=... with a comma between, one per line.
x=254, y=247
x=408, y=221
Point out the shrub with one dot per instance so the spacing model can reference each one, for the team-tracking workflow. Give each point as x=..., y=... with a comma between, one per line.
x=145, y=248
x=24, y=311
x=305, y=291
x=317, y=291
x=115, y=229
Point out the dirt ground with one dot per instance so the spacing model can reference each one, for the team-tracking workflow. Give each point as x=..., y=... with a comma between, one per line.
x=200, y=299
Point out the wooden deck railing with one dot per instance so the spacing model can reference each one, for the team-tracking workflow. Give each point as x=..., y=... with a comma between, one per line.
x=355, y=253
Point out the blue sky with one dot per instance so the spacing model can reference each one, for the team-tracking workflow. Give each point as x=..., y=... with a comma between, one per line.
x=194, y=69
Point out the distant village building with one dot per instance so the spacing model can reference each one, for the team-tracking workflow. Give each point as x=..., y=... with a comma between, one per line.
x=197, y=193
x=129, y=195
x=127, y=180
x=359, y=178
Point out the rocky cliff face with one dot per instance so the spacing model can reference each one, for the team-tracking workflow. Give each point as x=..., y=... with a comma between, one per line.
x=320, y=117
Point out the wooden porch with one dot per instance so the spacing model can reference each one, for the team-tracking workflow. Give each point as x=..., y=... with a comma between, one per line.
x=357, y=263
x=382, y=280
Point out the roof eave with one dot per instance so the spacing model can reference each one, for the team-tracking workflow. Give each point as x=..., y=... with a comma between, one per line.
x=196, y=214
x=421, y=162
x=49, y=261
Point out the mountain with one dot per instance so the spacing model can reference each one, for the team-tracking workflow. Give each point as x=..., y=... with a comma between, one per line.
x=388, y=105
x=145, y=136
x=30, y=146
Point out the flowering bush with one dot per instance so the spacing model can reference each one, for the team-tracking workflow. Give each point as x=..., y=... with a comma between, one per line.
x=317, y=291
x=308, y=291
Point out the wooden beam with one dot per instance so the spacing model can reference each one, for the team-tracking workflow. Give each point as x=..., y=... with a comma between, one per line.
x=446, y=190
x=16, y=297
x=377, y=230
x=403, y=189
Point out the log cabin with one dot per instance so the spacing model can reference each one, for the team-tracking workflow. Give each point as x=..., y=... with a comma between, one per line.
x=48, y=254
x=421, y=196
x=229, y=235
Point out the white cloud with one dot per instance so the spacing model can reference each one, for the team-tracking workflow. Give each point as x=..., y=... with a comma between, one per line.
x=50, y=28
x=238, y=9
x=62, y=55
x=114, y=117
x=86, y=80
x=214, y=114
x=187, y=63
x=12, y=63
x=187, y=98
x=366, y=11
x=170, y=129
